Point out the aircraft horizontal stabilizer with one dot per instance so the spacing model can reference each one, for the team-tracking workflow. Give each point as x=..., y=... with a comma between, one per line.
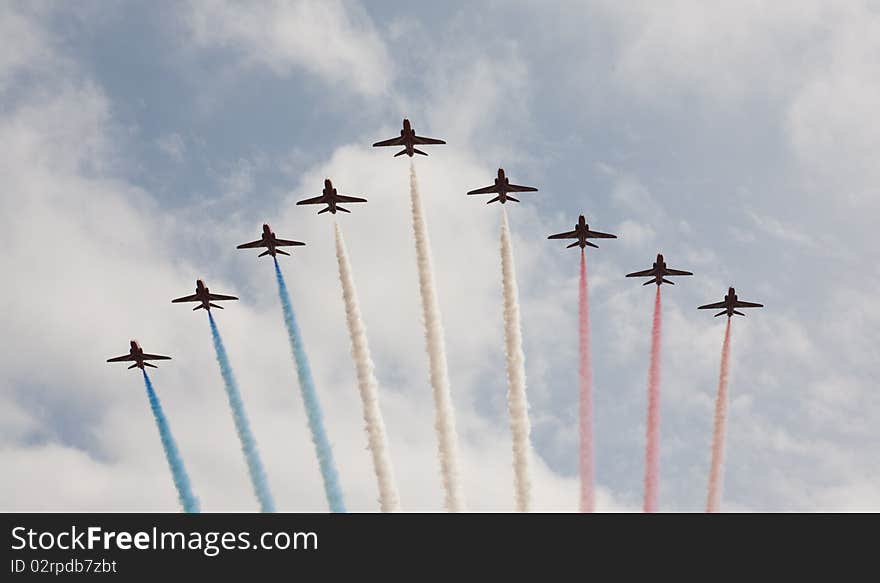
x=264, y=253
x=281, y=251
x=213, y=305
x=326, y=210
x=400, y=153
x=132, y=366
x=419, y=152
x=738, y=313
x=150, y=365
x=721, y=313
x=575, y=244
x=199, y=307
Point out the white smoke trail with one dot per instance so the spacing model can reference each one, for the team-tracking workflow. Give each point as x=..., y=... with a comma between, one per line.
x=367, y=383
x=517, y=404
x=444, y=423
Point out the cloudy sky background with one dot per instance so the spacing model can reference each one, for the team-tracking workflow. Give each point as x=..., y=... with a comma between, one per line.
x=143, y=140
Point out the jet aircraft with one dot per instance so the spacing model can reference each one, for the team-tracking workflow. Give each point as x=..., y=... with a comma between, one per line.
x=204, y=296
x=582, y=232
x=729, y=305
x=659, y=272
x=408, y=139
x=270, y=242
x=502, y=186
x=331, y=198
x=137, y=355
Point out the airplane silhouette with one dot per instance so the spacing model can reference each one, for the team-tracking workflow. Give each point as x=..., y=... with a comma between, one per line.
x=408, y=139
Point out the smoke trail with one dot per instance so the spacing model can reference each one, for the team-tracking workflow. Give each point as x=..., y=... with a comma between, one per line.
x=178, y=472
x=242, y=426
x=714, y=498
x=517, y=403
x=367, y=383
x=444, y=422
x=310, y=398
x=652, y=449
x=586, y=392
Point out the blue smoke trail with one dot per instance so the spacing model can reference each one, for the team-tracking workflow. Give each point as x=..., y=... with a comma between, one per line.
x=248, y=443
x=310, y=398
x=181, y=480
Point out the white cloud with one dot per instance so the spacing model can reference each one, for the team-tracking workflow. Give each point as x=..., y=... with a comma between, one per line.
x=781, y=230
x=329, y=38
x=730, y=50
x=172, y=145
x=26, y=44
x=634, y=234
x=830, y=116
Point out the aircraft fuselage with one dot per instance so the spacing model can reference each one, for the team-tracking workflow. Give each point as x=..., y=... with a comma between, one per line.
x=203, y=294
x=330, y=195
x=137, y=353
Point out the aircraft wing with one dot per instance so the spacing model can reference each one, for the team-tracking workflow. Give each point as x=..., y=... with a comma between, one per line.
x=645, y=273
x=220, y=297
x=125, y=358
x=315, y=200
x=677, y=272
x=192, y=298
x=421, y=140
x=740, y=304
x=251, y=245
x=598, y=235
x=398, y=141
x=568, y=235
x=715, y=306
x=484, y=190
x=155, y=357
x=287, y=243
x=517, y=188
x=343, y=198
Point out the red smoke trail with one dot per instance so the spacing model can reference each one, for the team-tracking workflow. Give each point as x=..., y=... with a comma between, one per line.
x=586, y=398
x=714, y=497
x=652, y=449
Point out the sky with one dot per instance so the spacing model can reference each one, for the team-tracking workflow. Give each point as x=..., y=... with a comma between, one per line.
x=142, y=141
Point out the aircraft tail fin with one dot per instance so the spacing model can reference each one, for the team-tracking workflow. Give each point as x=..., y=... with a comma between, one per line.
x=738, y=313
x=325, y=210
x=575, y=244
x=419, y=152
x=150, y=365
x=282, y=252
x=132, y=366
x=400, y=153
x=213, y=305
x=264, y=253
